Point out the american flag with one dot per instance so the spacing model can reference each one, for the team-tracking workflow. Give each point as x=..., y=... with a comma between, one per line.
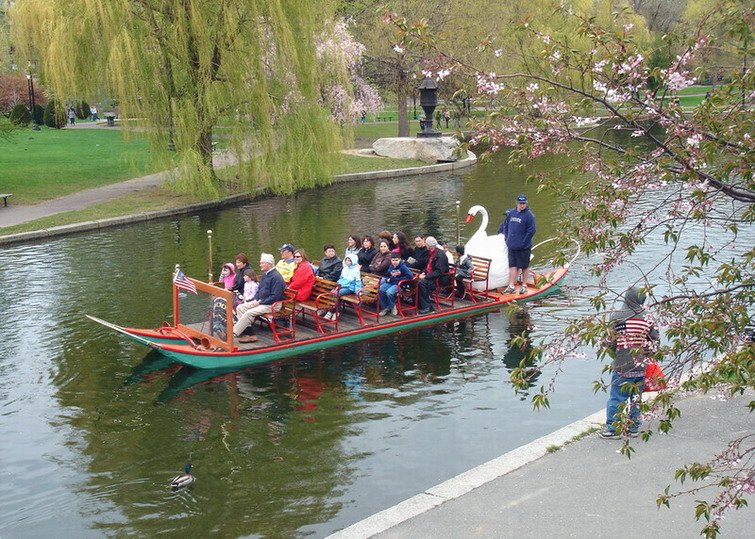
x=182, y=282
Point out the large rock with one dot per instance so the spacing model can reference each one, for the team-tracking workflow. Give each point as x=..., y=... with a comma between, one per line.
x=429, y=150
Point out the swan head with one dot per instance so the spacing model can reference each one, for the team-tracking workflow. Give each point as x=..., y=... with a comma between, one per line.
x=474, y=210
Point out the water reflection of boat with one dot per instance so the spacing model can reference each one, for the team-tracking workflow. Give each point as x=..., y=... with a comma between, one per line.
x=203, y=346
x=154, y=365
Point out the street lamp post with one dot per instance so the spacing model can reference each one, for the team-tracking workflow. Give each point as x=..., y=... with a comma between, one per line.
x=30, y=87
x=428, y=100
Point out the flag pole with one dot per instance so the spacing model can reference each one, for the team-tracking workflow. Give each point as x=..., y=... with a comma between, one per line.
x=209, y=241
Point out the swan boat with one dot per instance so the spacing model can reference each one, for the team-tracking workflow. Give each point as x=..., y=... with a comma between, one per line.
x=196, y=344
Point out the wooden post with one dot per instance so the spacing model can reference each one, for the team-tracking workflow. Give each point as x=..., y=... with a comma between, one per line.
x=209, y=243
x=458, y=224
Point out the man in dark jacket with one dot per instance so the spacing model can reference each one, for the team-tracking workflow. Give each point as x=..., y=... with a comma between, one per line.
x=330, y=266
x=272, y=288
x=518, y=228
x=418, y=260
x=437, y=266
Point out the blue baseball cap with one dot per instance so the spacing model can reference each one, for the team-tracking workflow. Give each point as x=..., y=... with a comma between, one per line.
x=286, y=247
x=521, y=199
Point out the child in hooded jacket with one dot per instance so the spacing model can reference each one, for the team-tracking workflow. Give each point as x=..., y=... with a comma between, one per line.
x=350, y=280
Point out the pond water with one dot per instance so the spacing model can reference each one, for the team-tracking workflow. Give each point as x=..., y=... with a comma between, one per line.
x=94, y=426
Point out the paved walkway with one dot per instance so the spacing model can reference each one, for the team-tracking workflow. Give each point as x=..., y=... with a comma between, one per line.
x=16, y=215
x=586, y=489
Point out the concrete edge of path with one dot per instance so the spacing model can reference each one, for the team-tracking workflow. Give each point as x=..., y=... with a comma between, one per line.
x=48, y=233
x=468, y=481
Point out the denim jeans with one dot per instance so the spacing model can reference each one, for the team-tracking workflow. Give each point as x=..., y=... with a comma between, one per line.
x=388, y=295
x=622, y=388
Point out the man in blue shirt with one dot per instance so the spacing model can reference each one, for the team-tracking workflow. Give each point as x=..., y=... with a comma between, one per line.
x=272, y=288
x=518, y=228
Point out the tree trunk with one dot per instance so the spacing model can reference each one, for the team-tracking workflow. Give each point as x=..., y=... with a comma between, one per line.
x=401, y=95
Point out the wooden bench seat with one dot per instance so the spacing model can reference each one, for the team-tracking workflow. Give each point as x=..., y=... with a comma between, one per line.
x=282, y=320
x=324, y=298
x=5, y=197
x=480, y=274
x=366, y=301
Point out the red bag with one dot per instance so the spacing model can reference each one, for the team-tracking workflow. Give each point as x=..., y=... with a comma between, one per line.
x=655, y=380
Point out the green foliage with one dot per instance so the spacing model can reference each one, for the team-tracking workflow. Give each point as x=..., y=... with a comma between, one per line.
x=20, y=115
x=185, y=68
x=38, y=115
x=81, y=108
x=6, y=129
x=55, y=114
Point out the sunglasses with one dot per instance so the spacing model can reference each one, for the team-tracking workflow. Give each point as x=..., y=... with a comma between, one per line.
x=297, y=256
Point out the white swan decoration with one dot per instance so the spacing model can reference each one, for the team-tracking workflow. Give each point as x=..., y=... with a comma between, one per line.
x=492, y=247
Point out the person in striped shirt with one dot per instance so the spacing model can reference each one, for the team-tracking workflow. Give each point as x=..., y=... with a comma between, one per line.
x=634, y=338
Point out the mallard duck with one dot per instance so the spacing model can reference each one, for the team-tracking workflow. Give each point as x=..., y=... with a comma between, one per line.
x=183, y=480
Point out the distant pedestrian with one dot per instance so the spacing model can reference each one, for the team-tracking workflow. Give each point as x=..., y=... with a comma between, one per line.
x=634, y=337
x=71, y=116
x=437, y=119
x=93, y=113
x=446, y=117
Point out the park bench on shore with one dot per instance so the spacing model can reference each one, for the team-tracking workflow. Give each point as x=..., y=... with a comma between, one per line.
x=5, y=197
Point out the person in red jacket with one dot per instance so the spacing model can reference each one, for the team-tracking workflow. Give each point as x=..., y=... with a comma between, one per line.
x=303, y=278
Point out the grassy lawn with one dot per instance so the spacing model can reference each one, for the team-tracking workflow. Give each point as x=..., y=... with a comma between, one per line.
x=49, y=163
x=694, y=90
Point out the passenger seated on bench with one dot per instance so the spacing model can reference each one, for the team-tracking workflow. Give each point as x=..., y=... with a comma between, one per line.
x=286, y=265
x=463, y=271
x=366, y=253
x=353, y=245
x=387, y=236
x=382, y=259
x=350, y=280
x=242, y=264
x=449, y=255
x=401, y=245
x=437, y=265
x=397, y=271
x=418, y=260
x=227, y=275
x=250, y=285
x=330, y=266
x=304, y=276
x=219, y=305
x=271, y=288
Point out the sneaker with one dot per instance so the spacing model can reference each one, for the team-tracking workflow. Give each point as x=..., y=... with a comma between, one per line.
x=394, y=311
x=609, y=435
x=510, y=290
x=523, y=290
x=385, y=312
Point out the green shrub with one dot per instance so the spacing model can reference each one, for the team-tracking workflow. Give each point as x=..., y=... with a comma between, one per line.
x=39, y=114
x=20, y=114
x=82, y=110
x=55, y=114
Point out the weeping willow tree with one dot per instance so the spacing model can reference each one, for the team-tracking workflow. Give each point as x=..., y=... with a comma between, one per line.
x=181, y=69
